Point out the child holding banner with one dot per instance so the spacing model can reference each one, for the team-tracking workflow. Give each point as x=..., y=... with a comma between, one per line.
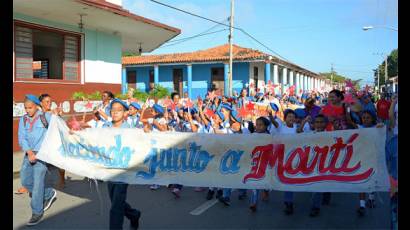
x=156, y=124
x=262, y=124
x=117, y=191
x=287, y=127
x=368, y=120
x=32, y=128
x=133, y=118
x=319, y=125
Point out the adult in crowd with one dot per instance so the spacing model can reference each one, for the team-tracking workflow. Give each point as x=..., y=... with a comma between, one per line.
x=105, y=108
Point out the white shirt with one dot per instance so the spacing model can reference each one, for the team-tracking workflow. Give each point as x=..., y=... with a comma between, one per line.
x=161, y=121
x=95, y=124
x=284, y=129
x=134, y=122
x=203, y=129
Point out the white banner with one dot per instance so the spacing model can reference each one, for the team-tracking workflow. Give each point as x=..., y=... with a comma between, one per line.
x=339, y=161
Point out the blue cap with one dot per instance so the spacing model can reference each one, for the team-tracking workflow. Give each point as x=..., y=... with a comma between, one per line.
x=235, y=116
x=116, y=100
x=274, y=106
x=300, y=113
x=220, y=114
x=158, y=108
x=135, y=105
x=226, y=106
x=193, y=111
x=33, y=98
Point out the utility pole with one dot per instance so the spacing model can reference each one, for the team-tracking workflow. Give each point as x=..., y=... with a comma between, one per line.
x=331, y=75
x=378, y=81
x=386, y=78
x=230, y=49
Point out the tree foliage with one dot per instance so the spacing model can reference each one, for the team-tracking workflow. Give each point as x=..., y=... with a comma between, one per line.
x=392, y=67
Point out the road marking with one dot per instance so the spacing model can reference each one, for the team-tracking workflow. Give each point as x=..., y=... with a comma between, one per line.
x=205, y=206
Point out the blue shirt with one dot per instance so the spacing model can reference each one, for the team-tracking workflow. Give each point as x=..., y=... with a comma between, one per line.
x=108, y=124
x=134, y=121
x=32, y=139
x=369, y=107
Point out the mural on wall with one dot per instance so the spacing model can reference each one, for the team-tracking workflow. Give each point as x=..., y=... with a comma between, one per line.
x=86, y=106
x=18, y=108
x=66, y=107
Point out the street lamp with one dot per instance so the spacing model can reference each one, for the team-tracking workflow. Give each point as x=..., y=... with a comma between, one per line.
x=365, y=28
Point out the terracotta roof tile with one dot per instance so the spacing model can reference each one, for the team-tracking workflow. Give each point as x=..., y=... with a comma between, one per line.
x=218, y=53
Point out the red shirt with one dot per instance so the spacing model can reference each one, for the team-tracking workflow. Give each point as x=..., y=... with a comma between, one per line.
x=383, y=107
x=338, y=114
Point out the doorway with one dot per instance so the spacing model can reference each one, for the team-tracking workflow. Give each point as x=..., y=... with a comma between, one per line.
x=217, y=79
x=178, y=82
x=131, y=79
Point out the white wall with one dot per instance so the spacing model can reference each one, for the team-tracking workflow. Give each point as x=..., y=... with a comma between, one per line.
x=261, y=73
x=102, y=72
x=117, y=2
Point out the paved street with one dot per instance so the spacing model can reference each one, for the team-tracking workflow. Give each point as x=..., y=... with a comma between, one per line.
x=78, y=207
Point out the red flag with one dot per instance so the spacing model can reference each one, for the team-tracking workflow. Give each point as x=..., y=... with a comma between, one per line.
x=250, y=106
x=349, y=84
x=75, y=125
x=243, y=112
x=349, y=98
x=167, y=103
x=292, y=90
x=189, y=103
x=209, y=113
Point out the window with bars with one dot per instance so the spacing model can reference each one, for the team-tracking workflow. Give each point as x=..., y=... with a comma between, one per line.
x=44, y=53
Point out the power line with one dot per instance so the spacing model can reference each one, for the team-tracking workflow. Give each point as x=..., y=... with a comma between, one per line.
x=202, y=33
x=355, y=71
x=211, y=20
x=189, y=38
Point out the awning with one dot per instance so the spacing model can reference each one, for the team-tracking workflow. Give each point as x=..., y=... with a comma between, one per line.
x=102, y=16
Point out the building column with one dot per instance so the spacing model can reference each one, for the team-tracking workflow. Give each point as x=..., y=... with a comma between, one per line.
x=267, y=72
x=275, y=74
x=305, y=80
x=189, y=77
x=124, y=81
x=313, y=83
x=297, y=83
x=291, y=78
x=156, y=75
x=284, y=76
x=226, y=79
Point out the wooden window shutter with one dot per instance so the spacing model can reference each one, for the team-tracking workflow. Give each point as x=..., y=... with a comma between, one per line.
x=71, y=54
x=24, y=52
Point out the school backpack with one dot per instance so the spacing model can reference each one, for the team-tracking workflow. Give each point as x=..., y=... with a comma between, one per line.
x=42, y=118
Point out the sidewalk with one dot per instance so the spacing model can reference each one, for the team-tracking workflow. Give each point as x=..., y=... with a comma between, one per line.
x=17, y=160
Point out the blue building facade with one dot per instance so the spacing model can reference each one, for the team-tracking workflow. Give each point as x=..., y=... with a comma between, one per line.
x=203, y=77
x=198, y=72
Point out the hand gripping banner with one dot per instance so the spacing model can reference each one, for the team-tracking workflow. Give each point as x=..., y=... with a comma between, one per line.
x=339, y=161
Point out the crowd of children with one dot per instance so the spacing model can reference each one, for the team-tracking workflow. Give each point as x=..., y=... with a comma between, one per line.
x=215, y=114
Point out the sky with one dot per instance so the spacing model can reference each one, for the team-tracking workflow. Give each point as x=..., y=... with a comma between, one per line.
x=310, y=33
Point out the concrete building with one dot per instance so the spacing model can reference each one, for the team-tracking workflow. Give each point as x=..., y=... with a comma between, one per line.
x=198, y=72
x=65, y=46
